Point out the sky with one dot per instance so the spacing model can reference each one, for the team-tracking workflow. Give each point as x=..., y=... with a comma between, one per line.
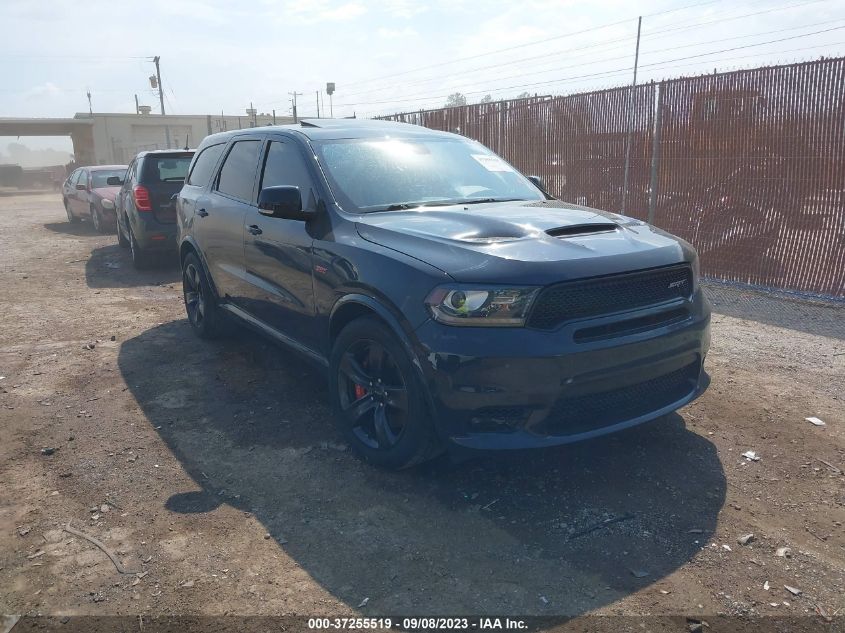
x=385, y=56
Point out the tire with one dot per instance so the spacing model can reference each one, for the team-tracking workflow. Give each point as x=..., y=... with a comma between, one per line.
x=377, y=398
x=97, y=220
x=204, y=315
x=121, y=238
x=140, y=259
x=70, y=216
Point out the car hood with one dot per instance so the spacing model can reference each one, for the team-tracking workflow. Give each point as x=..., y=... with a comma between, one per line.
x=107, y=193
x=527, y=243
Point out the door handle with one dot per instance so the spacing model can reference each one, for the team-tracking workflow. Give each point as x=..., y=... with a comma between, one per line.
x=254, y=229
x=202, y=213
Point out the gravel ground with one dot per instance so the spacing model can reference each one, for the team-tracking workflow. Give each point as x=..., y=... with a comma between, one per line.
x=213, y=472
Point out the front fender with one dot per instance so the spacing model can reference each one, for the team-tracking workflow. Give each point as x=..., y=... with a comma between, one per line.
x=388, y=314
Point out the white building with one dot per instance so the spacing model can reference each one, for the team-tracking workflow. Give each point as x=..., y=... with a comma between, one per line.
x=113, y=139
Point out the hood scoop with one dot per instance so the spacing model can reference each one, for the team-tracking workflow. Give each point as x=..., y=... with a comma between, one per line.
x=582, y=229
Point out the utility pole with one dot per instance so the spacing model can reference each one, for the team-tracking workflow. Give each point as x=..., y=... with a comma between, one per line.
x=293, y=101
x=137, y=107
x=318, y=104
x=274, y=116
x=631, y=118
x=156, y=61
x=90, y=107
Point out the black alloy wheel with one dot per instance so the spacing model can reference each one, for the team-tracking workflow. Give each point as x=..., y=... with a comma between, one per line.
x=200, y=304
x=378, y=399
x=373, y=394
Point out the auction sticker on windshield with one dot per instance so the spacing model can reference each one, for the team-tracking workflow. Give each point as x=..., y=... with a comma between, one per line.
x=492, y=163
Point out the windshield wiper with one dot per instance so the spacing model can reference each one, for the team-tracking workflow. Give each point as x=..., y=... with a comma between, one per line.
x=480, y=200
x=403, y=206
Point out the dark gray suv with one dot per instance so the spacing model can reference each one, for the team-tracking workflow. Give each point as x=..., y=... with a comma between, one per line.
x=450, y=300
x=145, y=206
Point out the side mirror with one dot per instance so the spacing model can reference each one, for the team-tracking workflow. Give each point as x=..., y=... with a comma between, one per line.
x=538, y=182
x=282, y=202
x=81, y=186
x=114, y=181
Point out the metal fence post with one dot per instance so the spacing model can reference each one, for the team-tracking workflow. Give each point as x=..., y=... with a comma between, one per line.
x=655, y=154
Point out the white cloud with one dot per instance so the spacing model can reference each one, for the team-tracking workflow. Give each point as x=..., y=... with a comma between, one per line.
x=47, y=90
x=318, y=11
x=397, y=34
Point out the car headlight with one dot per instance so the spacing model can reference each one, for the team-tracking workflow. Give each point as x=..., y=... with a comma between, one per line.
x=481, y=306
x=107, y=204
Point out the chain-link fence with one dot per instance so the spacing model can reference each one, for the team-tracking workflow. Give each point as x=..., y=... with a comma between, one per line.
x=749, y=166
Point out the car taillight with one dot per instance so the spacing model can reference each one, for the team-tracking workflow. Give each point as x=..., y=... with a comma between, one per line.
x=142, y=198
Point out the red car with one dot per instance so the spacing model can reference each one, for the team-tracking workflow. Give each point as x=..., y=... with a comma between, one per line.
x=87, y=194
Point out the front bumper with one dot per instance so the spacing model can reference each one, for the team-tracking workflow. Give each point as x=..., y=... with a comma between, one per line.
x=508, y=388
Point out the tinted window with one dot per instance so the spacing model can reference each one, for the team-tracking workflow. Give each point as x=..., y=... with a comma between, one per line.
x=238, y=172
x=207, y=159
x=284, y=166
x=100, y=178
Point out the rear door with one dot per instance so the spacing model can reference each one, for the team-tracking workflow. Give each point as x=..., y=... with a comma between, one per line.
x=163, y=176
x=277, y=251
x=218, y=224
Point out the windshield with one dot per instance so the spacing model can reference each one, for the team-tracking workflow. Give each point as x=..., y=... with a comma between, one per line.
x=369, y=175
x=100, y=177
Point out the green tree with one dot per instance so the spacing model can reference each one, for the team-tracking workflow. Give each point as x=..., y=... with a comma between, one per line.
x=455, y=99
x=486, y=99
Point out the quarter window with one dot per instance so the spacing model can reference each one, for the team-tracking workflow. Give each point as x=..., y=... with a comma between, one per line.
x=237, y=175
x=207, y=159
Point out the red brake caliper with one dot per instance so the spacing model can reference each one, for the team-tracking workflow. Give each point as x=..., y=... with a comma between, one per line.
x=360, y=392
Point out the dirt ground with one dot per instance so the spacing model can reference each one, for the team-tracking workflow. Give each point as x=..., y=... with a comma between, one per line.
x=213, y=470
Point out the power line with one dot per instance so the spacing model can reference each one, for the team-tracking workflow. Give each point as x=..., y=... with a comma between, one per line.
x=609, y=59
x=603, y=74
x=581, y=32
x=726, y=50
x=537, y=42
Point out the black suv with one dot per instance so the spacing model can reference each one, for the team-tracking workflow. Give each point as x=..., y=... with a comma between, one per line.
x=450, y=300
x=146, y=203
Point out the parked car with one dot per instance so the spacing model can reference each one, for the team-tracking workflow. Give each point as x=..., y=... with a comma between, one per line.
x=146, y=205
x=87, y=194
x=450, y=300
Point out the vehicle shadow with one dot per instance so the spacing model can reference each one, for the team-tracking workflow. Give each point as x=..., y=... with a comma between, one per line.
x=111, y=267
x=78, y=229
x=557, y=532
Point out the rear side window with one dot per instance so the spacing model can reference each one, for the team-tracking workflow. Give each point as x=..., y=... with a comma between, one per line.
x=204, y=165
x=237, y=175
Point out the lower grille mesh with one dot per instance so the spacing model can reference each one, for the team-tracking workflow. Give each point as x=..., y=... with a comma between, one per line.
x=579, y=414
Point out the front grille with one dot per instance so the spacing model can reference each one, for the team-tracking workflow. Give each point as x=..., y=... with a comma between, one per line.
x=579, y=414
x=599, y=296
